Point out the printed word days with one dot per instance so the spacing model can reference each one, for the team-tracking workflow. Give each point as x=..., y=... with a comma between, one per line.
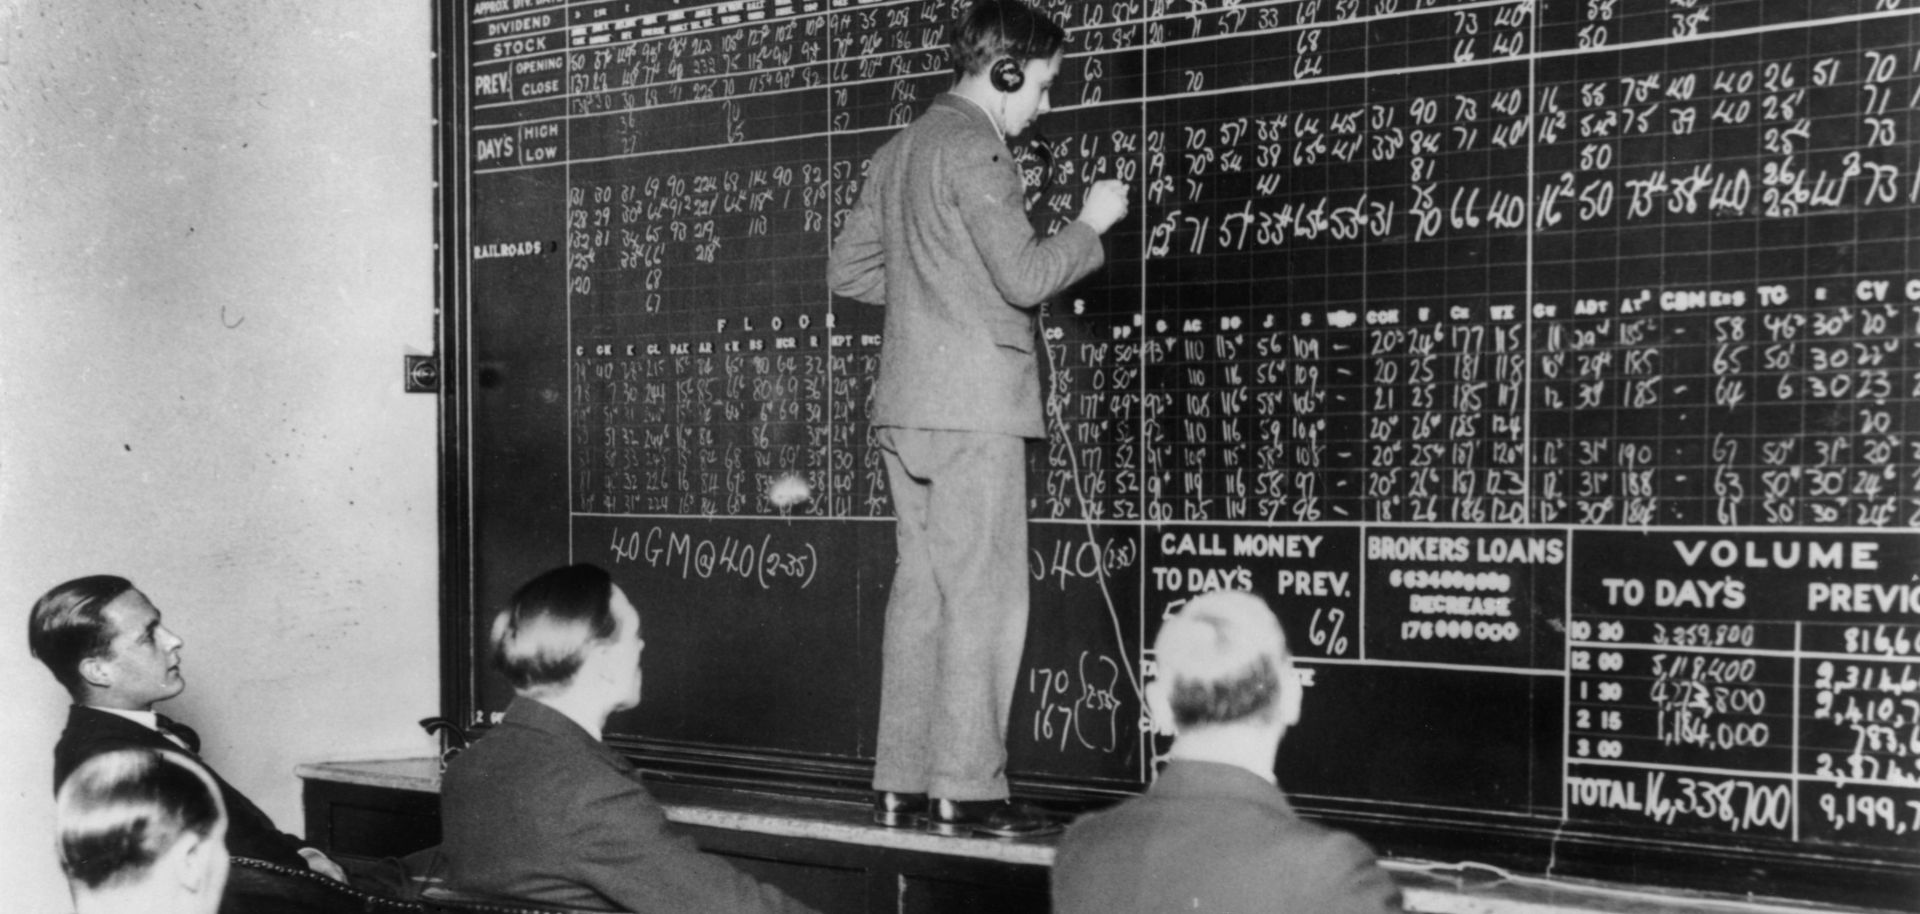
x=1202, y=580
x=1725, y=593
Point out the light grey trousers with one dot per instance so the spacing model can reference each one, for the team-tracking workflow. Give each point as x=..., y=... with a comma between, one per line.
x=957, y=615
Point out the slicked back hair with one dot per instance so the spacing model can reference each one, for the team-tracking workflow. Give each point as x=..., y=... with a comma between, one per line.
x=68, y=625
x=121, y=810
x=539, y=639
x=992, y=29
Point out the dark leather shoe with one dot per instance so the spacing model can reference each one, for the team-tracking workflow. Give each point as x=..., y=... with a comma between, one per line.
x=898, y=810
x=996, y=818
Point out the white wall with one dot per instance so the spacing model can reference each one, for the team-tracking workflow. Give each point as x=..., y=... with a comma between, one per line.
x=216, y=238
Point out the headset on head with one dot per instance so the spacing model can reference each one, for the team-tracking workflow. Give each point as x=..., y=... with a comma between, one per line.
x=1006, y=73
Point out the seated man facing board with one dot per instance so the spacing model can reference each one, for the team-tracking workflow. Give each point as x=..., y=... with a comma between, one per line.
x=1214, y=832
x=104, y=641
x=540, y=809
x=142, y=831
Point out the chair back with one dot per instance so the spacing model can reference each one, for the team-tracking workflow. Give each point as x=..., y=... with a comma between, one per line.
x=258, y=887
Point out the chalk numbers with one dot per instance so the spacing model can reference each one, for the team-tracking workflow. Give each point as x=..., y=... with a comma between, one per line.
x=1869, y=811
x=1077, y=707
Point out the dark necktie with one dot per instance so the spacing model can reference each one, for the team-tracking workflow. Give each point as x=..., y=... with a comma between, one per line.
x=179, y=733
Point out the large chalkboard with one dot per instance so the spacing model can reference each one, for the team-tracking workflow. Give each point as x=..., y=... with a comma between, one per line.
x=1549, y=364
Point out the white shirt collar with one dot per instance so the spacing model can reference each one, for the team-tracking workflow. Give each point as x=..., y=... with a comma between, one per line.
x=148, y=719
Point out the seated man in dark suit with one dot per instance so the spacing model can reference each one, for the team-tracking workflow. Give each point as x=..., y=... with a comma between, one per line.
x=540, y=809
x=1214, y=832
x=142, y=832
x=104, y=641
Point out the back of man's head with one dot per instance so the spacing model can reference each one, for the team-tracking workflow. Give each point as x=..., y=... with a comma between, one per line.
x=992, y=29
x=1222, y=660
x=540, y=639
x=142, y=829
x=68, y=625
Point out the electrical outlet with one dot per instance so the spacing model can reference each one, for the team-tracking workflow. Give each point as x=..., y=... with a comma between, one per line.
x=423, y=374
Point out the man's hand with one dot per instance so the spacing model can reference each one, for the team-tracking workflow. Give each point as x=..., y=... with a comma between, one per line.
x=322, y=864
x=1105, y=205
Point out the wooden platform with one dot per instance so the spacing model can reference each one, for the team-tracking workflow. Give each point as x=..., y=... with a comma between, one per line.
x=829, y=854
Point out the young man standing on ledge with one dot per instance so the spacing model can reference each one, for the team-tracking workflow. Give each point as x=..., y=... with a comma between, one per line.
x=1214, y=832
x=540, y=809
x=940, y=236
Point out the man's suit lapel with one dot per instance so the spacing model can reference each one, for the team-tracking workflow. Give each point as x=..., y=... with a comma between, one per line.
x=87, y=728
x=176, y=731
x=250, y=831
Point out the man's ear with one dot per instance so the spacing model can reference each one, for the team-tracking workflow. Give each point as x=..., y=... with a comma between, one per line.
x=1160, y=706
x=1292, y=689
x=593, y=657
x=96, y=672
x=194, y=862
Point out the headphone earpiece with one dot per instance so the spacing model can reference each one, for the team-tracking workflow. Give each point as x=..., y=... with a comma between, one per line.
x=1007, y=75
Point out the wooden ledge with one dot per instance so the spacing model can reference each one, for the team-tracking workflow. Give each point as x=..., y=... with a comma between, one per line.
x=1431, y=888
x=769, y=814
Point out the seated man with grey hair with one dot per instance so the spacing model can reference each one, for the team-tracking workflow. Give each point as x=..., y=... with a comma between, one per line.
x=142, y=831
x=1214, y=832
x=540, y=809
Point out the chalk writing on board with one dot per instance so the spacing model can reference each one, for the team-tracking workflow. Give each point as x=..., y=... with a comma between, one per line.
x=693, y=555
x=1079, y=704
x=1561, y=351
